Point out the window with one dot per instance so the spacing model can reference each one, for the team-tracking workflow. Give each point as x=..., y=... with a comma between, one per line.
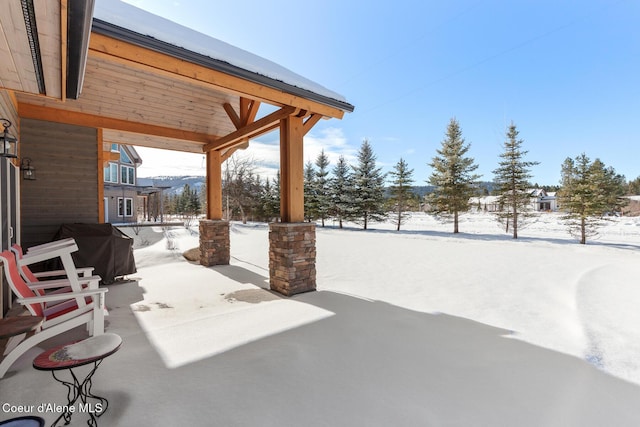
x=115, y=148
x=125, y=206
x=111, y=173
x=128, y=175
x=124, y=157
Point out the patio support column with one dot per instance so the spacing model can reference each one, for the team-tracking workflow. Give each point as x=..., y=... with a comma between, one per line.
x=214, y=231
x=292, y=243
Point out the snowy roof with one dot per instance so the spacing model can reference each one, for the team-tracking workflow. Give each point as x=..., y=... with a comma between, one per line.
x=172, y=38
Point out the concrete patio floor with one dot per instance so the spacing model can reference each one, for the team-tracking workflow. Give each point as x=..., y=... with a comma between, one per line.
x=368, y=364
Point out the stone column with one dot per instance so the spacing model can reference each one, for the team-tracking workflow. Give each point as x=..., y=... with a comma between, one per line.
x=214, y=242
x=292, y=257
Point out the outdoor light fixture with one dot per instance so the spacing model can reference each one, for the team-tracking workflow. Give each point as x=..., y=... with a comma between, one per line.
x=28, y=171
x=8, y=142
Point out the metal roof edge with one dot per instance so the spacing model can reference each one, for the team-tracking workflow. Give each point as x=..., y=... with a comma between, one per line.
x=119, y=33
x=79, y=13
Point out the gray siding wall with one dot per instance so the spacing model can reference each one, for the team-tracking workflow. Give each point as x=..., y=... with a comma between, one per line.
x=66, y=187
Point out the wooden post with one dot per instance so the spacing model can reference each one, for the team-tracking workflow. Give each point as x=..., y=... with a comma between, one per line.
x=214, y=185
x=292, y=243
x=214, y=232
x=291, y=170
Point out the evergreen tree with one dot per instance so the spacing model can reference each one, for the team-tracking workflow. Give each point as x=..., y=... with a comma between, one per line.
x=512, y=179
x=634, y=187
x=310, y=194
x=589, y=191
x=270, y=201
x=400, y=189
x=322, y=186
x=368, y=185
x=452, y=175
x=341, y=191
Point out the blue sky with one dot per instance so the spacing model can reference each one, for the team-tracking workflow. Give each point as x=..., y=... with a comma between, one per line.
x=566, y=72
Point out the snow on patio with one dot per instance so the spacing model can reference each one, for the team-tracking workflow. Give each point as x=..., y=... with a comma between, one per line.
x=582, y=300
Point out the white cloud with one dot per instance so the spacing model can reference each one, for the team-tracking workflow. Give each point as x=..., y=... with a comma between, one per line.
x=265, y=152
x=157, y=162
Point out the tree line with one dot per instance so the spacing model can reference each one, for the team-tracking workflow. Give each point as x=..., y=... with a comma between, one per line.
x=588, y=191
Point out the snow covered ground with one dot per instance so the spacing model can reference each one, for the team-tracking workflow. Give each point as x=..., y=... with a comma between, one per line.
x=582, y=300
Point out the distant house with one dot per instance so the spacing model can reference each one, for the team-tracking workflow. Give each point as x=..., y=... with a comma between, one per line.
x=540, y=200
x=543, y=201
x=128, y=198
x=120, y=184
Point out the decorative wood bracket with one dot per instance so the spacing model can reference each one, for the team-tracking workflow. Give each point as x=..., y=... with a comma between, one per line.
x=251, y=130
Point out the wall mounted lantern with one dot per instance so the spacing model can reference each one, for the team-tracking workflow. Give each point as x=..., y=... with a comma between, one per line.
x=28, y=171
x=8, y=142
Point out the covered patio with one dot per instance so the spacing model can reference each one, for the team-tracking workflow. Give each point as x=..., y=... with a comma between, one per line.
x=82, y=78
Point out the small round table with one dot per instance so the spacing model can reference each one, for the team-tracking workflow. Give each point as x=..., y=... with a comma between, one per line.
x=71, y=356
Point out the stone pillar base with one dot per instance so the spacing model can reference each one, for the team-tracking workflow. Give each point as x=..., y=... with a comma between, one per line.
x=292, y=257
x=214, y=242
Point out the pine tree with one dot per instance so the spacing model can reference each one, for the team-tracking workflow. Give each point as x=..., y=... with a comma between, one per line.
x=368, y=184
x=310, y=195
x=401, y=190
x=270, y=201
x=322, y=186
x=512, y=179
x=341, y=190
x=589, y=191
x=452, y=175
x=634, y=187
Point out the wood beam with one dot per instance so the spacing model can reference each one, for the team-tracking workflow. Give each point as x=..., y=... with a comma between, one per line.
x=229, y=152
x=56, y=115
x=235, y=119
x=291, y=169
x=252, y=130
x=248, y=111
x=132, y=55
x=310, y=122
x=214, y=185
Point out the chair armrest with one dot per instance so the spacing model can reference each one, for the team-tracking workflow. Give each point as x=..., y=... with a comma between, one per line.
x=57, y=283
x=50, y=245
x=42, y=255
x=62, y=297
x=82, y=272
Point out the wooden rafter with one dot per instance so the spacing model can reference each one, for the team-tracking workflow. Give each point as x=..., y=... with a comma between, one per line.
x=252, y=130
x=248, y=111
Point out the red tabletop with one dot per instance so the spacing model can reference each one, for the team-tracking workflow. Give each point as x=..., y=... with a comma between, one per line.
x=78, y=353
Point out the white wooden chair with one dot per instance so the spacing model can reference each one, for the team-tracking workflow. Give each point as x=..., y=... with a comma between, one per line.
x=58, y=318
x=53, y=250
x=53, y=278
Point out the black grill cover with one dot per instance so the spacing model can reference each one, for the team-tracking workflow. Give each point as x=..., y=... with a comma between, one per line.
x=103, y=247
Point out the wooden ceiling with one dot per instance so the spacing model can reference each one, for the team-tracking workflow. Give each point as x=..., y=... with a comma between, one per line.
x=18, y=71
x=137, y=96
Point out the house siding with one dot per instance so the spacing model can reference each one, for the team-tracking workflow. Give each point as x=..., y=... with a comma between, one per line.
x=117, y=190
x=66, y=188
